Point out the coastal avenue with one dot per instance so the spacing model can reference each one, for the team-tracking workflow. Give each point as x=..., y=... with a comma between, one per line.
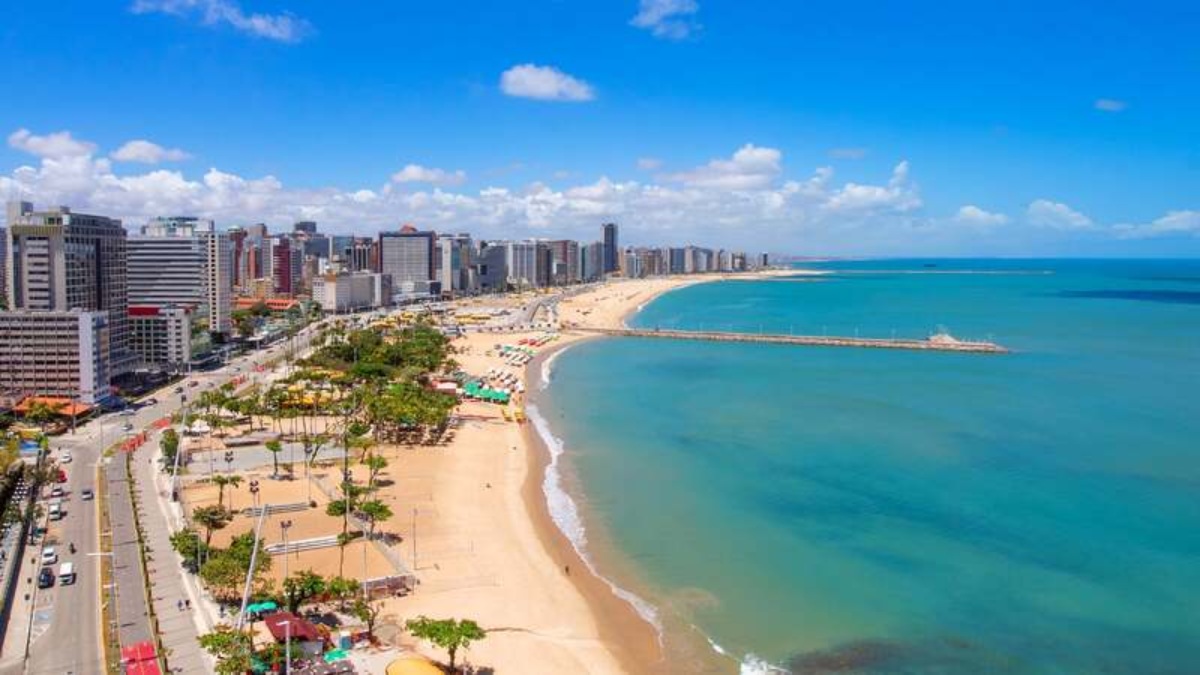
x=66, y=636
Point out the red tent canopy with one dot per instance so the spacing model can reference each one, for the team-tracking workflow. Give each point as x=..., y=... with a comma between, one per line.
x=142, y=651
x=300, y=629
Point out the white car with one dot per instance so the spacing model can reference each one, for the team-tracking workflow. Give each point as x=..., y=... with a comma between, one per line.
x=49, y=556
x=66, y=458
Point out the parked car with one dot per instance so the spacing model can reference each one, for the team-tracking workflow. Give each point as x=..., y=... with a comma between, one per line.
x=57, y=491
x=87, y=495
x=178, y=390
x=45, y=578
x=61, y=477
x=127, y=427
x=49, y=556
x=151, y=401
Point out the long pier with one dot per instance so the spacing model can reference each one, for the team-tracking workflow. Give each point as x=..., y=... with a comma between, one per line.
x=938, y=343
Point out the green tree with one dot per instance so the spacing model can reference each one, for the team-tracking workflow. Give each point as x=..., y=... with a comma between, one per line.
x=232, y=649
x=375, y=511
x=221, y=481
x=299, y=587
x=275, y=447
x=211, y=518
x=342, y=588
x=449, y=634
x=169, y=444
x=375, y=464
x=188, y=544
x=368, y=612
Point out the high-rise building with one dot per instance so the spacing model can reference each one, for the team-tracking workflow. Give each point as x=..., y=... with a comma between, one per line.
x=183, y=262
x=61, y=261
x=521, y=263
x=287, y=265
x=350, y=291
x=452, y=262
x=611, y=251
x=407, y=257
x=491, y=267
x=565, y=253
x=305, y=226
x=4, y=265
x=591, y=261
x=161, y=336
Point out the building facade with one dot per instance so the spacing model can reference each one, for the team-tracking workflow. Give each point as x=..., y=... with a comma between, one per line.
x=611, y=248
x=60, y=261
x=161, y=336
x=55, y=353
x=184, y=262
x=351, y=291
x=407, y=257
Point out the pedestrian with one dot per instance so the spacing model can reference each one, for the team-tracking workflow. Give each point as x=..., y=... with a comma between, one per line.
x=179, y=605
x=188, y=604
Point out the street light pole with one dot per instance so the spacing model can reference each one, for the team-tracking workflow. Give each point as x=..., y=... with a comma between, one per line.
x=284, y=526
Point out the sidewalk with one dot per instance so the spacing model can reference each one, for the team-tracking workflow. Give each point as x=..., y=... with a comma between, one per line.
x=180, y=628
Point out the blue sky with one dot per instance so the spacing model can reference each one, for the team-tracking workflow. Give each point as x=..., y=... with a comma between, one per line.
x=894, y=128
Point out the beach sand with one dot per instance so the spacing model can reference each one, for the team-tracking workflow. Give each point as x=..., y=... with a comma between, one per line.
x=472, y=519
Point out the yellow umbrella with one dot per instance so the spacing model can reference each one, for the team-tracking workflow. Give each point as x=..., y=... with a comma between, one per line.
x=413, y=665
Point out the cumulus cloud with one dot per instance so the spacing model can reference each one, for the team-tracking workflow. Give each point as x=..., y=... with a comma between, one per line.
x=1174, y=223
x=649, y=163
x=1110, y=105
x=899, y=195
x=669, y=19
x=751, y=168
x=415, y=173
x=847, y=153
x=279, y=27
x=544, y=83
x=56, y=145
x=973, y=215
x=743, y=201
x=145, y=152
x=1056, y=215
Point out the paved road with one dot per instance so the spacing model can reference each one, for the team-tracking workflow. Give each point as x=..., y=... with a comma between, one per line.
x=66, y=620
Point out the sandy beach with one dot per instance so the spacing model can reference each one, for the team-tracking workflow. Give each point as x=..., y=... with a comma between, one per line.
x=471, y=518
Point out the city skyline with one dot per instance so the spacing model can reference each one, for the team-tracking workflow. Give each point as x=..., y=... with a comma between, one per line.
x=737, y=127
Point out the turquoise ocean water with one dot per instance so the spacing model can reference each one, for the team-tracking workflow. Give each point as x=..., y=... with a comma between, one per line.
x=864, y=511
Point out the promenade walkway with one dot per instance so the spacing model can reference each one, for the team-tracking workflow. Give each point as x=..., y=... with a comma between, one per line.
x=180, y=629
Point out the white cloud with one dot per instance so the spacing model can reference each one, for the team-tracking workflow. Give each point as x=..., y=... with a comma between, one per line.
x=670, y=19
x=1110, y=105
x=56, y=145
x=1174, y=223
x=415, y=173
x=847, y=153
x=544, y=83
x=279, y=27
x=751, y=168
x=146, y=152
x=899, y=195
x=1057, y=215
x=744, y=201
x=649, y=163
x=973, y=215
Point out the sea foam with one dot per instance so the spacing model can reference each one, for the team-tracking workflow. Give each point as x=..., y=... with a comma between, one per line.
x=565, y=514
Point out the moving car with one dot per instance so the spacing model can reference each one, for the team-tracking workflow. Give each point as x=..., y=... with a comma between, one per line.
x=151, y=401
x=66, y=573
x=57, y=491
x=66, y=458
x=49, y=556
x=87, y=495
x=45, y=578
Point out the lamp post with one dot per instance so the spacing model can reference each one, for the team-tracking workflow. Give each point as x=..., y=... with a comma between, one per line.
x=228, y=461
x=254, y=492
x=287, y=646
x=284, y=526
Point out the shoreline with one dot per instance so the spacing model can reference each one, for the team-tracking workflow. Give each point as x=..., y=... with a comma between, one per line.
x=638, y=642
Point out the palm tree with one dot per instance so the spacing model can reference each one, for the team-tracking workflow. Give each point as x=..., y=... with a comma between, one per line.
x=233, y=482
x=221, y=480
x=211, y=518
x=275, y=447
x=374, y=464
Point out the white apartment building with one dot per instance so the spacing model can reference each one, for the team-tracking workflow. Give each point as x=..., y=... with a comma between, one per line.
x=351, y=291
